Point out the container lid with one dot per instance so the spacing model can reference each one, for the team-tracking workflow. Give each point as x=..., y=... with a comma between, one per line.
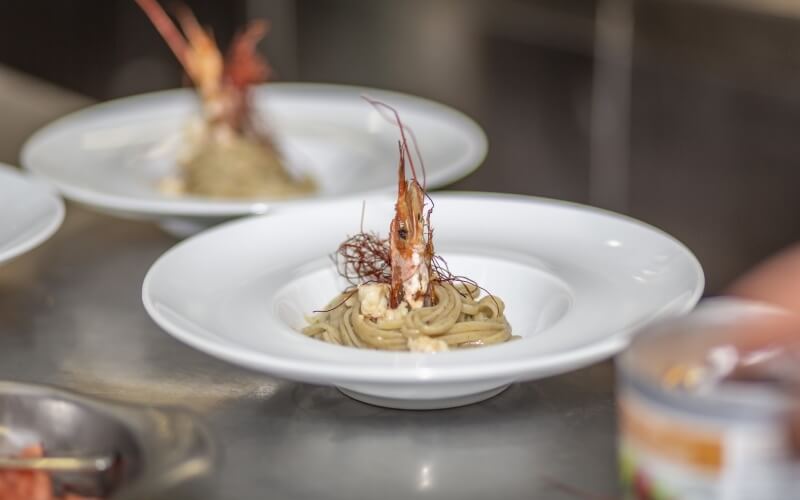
x=691, y=362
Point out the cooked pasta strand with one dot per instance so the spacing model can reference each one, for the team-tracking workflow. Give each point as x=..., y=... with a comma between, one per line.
x=457, y=319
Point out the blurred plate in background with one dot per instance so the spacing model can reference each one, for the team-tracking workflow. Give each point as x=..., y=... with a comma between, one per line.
x=30, y=212
x=111, y=156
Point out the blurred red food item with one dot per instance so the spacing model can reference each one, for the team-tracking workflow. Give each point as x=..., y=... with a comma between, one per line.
x=31, y=485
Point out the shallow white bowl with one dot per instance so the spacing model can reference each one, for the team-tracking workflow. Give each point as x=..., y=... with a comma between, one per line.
x=30, y=212
x=577, y=282
x=112, y=155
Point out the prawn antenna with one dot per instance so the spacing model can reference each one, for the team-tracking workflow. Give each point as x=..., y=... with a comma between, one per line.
x=391, y=115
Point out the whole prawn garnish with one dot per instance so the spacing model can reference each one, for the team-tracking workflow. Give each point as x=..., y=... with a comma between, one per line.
x=410, y=247
x=405, y=262
x=222, y=82
x=410, y=235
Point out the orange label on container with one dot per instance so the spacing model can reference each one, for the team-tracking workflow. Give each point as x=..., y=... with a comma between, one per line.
x=672, y=438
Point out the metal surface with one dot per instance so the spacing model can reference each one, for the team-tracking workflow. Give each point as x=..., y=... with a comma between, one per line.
x=71, y=315
x=155, y=453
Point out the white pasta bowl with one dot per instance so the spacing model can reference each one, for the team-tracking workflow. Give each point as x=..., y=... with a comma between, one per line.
x=577, y=282
x=30, y=212
x=111, y=156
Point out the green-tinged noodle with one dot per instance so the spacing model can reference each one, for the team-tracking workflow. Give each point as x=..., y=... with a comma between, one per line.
x=459, y=318
x=237, y=167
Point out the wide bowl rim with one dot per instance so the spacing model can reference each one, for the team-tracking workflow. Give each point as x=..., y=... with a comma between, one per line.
x=500, y=370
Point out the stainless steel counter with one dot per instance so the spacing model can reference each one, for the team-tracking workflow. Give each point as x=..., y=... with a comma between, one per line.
x=71, y=315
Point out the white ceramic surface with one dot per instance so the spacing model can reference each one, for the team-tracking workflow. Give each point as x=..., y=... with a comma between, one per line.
x=30, y=212
x=577, y=282
x=112, y=155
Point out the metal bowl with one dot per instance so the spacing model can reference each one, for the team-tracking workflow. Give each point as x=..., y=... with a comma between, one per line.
x=163, y=453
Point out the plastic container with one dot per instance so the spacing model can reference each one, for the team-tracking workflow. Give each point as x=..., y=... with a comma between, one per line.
x=688, y=433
